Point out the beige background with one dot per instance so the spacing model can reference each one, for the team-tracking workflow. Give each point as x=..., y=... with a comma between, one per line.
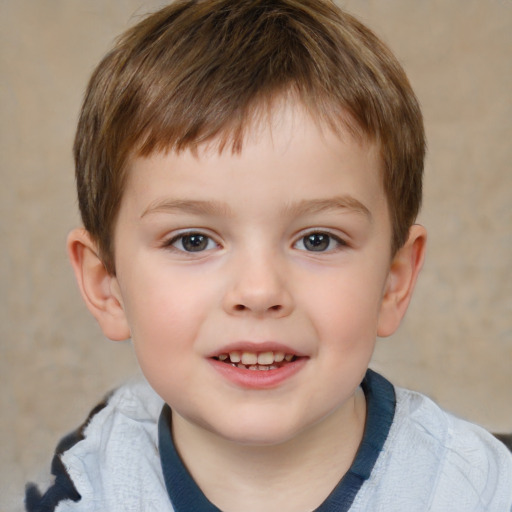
x=456, y=344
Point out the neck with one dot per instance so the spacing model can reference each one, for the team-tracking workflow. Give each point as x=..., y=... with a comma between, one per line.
x=297, y=474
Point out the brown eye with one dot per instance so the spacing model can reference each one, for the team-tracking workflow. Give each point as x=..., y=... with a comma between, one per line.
x=192, y=242
x=319, y=241
x=316, y=242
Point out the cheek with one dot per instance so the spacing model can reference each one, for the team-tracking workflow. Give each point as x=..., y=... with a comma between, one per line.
x=164, y=322
x=347, y=308
x=168, y=311
x=164, y=311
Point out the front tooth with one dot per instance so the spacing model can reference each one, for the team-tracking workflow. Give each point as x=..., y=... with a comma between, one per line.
x=266, y=358
x=235, y=357
x=249, y=358
x=278, y=357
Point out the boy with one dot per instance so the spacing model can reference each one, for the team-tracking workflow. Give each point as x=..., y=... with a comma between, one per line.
x=249, y=174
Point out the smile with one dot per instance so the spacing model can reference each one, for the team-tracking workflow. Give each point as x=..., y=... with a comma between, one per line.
x=263, y=361
x=257, y=366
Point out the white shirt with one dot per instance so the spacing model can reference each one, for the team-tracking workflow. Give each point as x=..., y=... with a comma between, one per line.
x=430, y=461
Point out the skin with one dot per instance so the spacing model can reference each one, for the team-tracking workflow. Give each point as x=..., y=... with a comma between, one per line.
x=257, y=280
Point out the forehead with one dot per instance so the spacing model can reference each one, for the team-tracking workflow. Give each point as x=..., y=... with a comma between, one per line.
x=262, y=115
x=272, y=120
x=287, y=156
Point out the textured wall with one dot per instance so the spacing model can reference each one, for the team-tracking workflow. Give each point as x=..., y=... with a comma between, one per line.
x=456, y=344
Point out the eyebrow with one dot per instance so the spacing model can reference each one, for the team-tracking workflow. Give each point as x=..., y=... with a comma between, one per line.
x=187, y=206
x=346, y=203
x=216, y=208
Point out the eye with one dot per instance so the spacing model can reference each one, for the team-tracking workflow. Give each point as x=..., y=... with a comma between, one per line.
x=192, y=242
x=319, y=242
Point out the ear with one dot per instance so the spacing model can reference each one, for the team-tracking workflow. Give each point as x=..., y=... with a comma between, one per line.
x=100, y=290
x=403, y=273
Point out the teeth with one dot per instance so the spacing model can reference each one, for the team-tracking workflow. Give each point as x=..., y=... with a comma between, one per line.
x=254, y=361
x=278, y=357
x=235, y=357
x=262, y=367
x=266, y=358
x=249, y=358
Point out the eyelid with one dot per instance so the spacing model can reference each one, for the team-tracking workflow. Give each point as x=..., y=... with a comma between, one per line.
x=169, y=241
x=340, y=240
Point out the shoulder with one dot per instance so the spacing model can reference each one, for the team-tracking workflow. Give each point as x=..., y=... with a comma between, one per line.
x=459, y=462
x=462, y=441
x=113, y=456
x=433, y=461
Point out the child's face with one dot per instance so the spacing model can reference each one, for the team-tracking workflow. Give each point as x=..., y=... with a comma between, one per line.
x=282, y=249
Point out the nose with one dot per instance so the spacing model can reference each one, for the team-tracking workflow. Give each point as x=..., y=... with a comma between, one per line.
x=258, y=287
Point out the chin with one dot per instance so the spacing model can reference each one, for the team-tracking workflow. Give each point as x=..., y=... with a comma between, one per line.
x=252, y=431
x=259, y=439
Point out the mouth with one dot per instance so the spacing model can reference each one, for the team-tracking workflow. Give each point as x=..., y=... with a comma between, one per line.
x=256, y=361
x=258, y=366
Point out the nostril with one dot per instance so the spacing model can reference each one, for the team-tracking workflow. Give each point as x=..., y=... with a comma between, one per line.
x=241, y=307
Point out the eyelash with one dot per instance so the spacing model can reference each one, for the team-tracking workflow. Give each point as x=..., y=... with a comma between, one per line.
x=203, y=242
x=330, y=237
x=190, y=235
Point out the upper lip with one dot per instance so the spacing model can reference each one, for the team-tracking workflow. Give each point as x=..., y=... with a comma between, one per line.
x=256, y=347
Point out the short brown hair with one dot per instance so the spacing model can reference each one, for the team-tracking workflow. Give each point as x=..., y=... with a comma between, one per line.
x=197, y=70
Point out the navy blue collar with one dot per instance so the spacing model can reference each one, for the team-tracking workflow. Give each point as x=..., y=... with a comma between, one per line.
x=185, y=495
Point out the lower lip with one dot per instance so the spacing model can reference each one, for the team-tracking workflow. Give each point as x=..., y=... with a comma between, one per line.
x=258, y=379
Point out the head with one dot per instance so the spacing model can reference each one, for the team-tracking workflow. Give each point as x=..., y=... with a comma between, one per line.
x=248, y=174
x=202, y=71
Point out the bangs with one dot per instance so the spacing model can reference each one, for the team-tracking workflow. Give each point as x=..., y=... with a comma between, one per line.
x=207, y=71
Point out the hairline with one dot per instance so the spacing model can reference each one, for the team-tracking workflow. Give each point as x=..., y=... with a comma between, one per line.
x=259, y=116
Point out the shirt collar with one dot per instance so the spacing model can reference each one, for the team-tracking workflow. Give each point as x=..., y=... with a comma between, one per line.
x=185, y=495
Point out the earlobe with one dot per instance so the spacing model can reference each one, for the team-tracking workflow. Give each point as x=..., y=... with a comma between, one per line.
x=99, y=289
x=403, y=273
